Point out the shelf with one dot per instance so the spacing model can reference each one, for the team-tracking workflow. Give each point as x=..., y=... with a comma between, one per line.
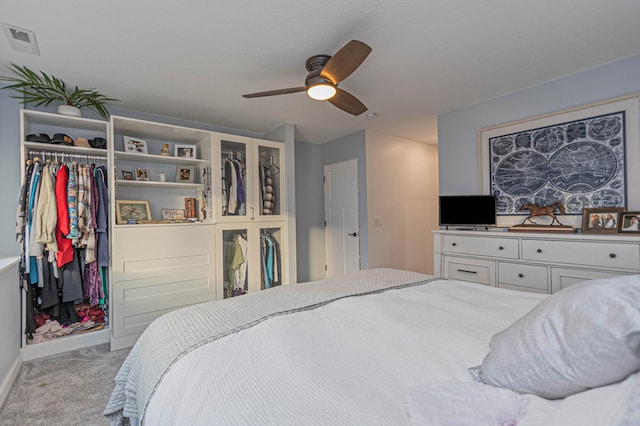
x=76, y=150
x=160, y=131
x=151, y=158
x=159, y=184
x=164, y=225
x=58, y=120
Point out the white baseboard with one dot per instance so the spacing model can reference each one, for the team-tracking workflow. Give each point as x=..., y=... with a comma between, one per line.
x=64, y=344
x=118, y=343
x=7, y=382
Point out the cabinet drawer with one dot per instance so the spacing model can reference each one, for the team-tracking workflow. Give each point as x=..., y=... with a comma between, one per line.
x=474, y=270
x=564, y=277
x=516, y=287
x=481, y=246
x=531, y=276
x=605, y=255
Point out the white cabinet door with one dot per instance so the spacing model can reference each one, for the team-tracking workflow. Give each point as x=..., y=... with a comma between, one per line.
x=248, y=179
x=270, y=194
x=232, y=178
x=250, y=257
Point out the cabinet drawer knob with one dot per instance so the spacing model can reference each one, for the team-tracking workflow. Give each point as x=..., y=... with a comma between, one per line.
x=539, y=251
x=500, y=248
x=466, y=271
x=521, y=275
x=612, y=255
x=453, y=244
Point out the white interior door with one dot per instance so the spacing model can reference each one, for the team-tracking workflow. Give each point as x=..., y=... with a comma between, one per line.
x=342, y=230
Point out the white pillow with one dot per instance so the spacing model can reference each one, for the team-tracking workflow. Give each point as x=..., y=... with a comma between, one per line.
x=585, y=336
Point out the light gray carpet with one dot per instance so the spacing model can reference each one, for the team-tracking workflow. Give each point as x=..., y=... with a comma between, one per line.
x=71, y=388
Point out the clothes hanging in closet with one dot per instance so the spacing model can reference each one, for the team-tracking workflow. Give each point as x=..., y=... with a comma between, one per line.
x=234, y=187
x=61, y=264
x=235, y=266
x=270, y=259
x=267, y=193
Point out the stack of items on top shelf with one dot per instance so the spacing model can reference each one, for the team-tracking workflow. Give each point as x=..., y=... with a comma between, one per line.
x=62, y=231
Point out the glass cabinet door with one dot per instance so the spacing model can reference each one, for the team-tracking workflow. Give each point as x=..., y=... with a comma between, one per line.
x=235, y=178
x=271, y=260
x=269, y=179
x=235, y=262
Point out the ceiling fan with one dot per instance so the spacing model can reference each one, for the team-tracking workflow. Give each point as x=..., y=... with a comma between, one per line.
x=325, y=72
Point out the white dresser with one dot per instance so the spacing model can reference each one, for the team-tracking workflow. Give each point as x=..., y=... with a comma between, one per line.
x=536, y=262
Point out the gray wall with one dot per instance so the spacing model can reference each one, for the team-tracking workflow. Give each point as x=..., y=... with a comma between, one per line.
x=346, y=148
x=309, y=211
x=9, y=172
x=458, y=130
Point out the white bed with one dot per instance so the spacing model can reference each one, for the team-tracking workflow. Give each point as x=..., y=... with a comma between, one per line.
x=393, y=356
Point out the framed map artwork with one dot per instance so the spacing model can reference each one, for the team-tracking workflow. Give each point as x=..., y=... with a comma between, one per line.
x=584, y=158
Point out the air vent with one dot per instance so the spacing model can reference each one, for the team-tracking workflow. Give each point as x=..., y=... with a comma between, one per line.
x=21, y=40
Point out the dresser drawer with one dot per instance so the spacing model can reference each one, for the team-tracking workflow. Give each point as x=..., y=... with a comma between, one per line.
x=516, y=287
x=565, y=277
x=601, y=255
x=474, y=270
x=481, y=246
x=530, y=276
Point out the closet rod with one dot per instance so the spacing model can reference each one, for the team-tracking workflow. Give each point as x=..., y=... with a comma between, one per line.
x=65, y=154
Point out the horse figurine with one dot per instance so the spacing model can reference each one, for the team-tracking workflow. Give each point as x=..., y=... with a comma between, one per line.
x=538, y=210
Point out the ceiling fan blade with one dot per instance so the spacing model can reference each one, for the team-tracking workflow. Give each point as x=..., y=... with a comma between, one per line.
x=347, y=102
x=275, y=92
x=345, y=61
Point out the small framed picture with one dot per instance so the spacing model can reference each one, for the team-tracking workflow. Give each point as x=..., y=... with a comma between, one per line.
x=142, y=174
x=172, y=214
x=135, y=145
x=127, y=175
x=128, y=211
x=184, y=174
x=629, y=222
x=188, y=151
x=190, y=208
x=601, y=220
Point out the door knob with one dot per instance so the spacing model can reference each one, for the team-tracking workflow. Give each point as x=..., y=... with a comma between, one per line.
x=353, y=234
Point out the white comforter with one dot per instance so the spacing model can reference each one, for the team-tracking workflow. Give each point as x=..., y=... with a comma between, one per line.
x=352, y=361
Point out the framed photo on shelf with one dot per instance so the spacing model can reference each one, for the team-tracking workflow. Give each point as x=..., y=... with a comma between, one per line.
x=629, y=222
x=172, y=214
x=130, y=210
x=601, y=220
x=190, y=208
x=127, y=175
x=184, y=174
x=135, y=145
x=186, y=151
x=142, y=174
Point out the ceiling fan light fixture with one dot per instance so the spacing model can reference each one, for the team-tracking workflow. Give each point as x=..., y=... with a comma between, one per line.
x=321, y=92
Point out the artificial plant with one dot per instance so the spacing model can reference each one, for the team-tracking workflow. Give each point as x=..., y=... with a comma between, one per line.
x=42, y=89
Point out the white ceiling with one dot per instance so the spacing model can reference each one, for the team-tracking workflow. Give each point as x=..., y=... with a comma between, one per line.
x=194, y=59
